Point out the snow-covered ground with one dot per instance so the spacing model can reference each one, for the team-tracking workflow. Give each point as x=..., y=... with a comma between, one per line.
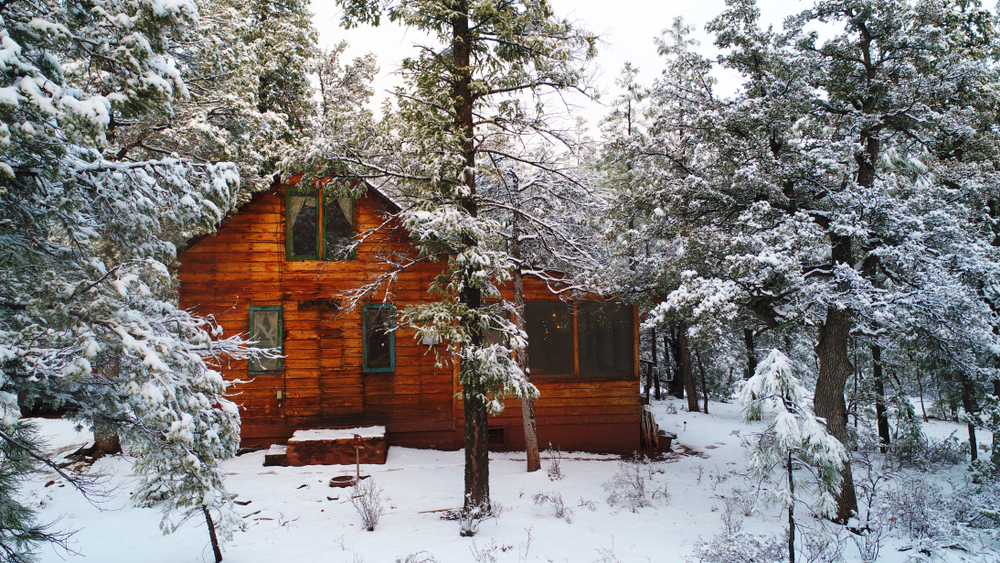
x=293, y=515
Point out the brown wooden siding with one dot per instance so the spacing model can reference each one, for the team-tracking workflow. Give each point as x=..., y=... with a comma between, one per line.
x=322, y=383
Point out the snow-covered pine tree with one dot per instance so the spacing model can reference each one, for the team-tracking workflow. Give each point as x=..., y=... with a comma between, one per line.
x=85, y=236
x=794, y=443
x=465, y=97
x=245, y=67
x=845, y=188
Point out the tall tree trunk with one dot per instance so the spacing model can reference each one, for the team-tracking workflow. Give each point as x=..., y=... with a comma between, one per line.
x=751, y=353
x=686, y=372
x=995, y=452
x=671, y=342
x=969, y=404
x=704, y=386
x=791, y=511
x=654, y=374
x=920, y=392
x=106, y=439
x=834, y=369
x=477, y=453
x=527, y=403
x=881, y=416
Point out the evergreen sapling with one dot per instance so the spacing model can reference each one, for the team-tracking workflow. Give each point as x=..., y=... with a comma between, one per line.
x=794, y=439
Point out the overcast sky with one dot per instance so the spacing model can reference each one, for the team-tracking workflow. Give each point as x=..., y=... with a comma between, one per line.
x=627, y=28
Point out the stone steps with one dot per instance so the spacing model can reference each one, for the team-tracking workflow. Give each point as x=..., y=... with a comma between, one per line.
x=333, y=446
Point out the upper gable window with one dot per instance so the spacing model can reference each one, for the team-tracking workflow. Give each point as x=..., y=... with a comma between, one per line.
x=318, y=226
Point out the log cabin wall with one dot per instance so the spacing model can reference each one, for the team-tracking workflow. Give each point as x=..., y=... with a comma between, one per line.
x=322, y=381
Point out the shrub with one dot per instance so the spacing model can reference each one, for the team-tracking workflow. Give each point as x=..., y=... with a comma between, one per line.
x=631, y=486
x=366, y=496
x=920, y=508
x=555, y=499
x=735, y=545
x=555, y=463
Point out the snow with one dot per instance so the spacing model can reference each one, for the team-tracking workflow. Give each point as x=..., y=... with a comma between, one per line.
x=293, y=515
x=337, y=434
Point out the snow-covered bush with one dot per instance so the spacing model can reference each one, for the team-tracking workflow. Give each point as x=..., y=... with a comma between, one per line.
x=977, y=506
x=745, y=501
x=366, y=496
x=736, y=545
x=555, y=499
x=632, y=485
x=418, y=557
x=919, y=508
x=821, y=543
x=868, y=540
x=469, y=519
x=488, y=553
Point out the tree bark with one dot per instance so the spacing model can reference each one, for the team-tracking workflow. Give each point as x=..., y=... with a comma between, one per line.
x=791, y=511
x=995, y=452
x=527, y=403
x=751, y=354
x=105, y=438
x=834, y=370
x=881, y=416
x=969, y=404
x=655, y=373
x=686, y=372
x=704, y=386
x=211, y=534
x=671, y=342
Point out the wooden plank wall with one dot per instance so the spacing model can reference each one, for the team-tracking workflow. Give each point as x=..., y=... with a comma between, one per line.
x=322, y=383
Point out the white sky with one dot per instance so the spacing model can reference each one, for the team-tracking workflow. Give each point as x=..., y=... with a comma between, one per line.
x=627, y=28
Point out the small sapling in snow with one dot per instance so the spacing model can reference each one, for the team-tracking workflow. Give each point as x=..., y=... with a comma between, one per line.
x=366, y=496
x=555, y=499
x=555, y=463
x=794, y=439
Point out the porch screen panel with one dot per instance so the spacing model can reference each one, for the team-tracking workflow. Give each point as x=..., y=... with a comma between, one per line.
x=606, y=340
x=549, y=325
x=338, y=228
x=303, y=224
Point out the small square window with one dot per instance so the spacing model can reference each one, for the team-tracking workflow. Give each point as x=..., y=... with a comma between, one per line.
x=379, y=337
x=265, y=330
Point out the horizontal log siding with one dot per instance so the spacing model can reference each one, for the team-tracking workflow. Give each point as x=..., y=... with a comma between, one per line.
x=322, y=382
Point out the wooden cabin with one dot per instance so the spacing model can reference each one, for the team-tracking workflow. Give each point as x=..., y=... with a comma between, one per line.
x=277, y=271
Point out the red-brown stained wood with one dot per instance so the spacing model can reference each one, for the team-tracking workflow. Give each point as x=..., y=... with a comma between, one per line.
x=322, y=383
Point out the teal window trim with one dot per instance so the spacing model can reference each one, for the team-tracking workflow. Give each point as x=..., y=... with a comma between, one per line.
x=320, y=253
x=280, y=333
x=391, y=334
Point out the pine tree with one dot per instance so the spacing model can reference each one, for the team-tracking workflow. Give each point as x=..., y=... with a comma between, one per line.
x=466, y=98
x=86, y=233
x=794, y=440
